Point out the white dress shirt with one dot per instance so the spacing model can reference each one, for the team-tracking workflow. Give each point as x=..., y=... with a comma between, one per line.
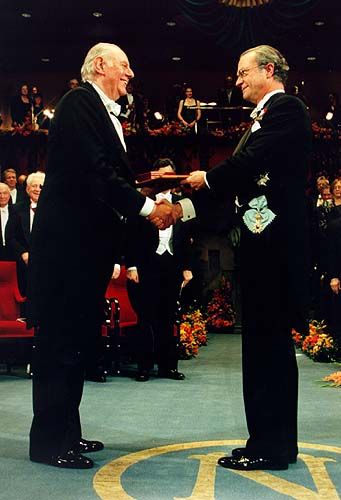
x=14, y=193
x=165, y=235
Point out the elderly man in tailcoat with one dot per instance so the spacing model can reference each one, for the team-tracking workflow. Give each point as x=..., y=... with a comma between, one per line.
x=73, y=247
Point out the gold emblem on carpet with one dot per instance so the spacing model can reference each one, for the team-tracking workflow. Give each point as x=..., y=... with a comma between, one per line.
x=321, y=462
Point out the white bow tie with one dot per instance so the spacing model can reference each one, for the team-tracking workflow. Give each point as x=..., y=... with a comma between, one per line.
x=164, y=196
x=255, y=113
x=114, y=108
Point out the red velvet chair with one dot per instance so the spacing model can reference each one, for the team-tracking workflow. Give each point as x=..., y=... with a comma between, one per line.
x=121, y=320
x=15, y=339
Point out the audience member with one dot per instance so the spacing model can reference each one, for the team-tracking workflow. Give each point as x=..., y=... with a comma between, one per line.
x=336, y=194
x=20, y=106
x=229, y=95
x=17, y=191
x=20, y=225
x=189, y=110
x=131, y=107
x=157, y=261
x=5, y=210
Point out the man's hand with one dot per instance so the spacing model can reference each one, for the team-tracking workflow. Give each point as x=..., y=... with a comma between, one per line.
x=196, y=179
x=133, y=275
x=116, y=272
x=165, y=214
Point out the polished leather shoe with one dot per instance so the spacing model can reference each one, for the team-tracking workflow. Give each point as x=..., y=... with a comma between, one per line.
x=242, y=452
x=86, y=446
x=172, y=374
x=252, y=463
x=69, y=460
x=142, y=376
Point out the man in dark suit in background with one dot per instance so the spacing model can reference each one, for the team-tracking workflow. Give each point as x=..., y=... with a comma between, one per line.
x=158, y=262
x=19, y=227
x=5, y=211
x=268, y=174
x=17, y=191
x=231, y=97
x=72, y=248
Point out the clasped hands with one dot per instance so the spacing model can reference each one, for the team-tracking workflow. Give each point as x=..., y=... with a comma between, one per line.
x=165, y=214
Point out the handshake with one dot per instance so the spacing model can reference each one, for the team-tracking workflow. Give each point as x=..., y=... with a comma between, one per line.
x=165, y=214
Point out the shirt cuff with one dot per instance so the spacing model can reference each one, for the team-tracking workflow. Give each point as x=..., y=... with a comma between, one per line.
x=206, y=182
x=132, y=268
x=188, y=210
x=147, y=207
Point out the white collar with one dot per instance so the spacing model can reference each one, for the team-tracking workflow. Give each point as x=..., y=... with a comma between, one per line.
x=110, y=104
x=263, y=101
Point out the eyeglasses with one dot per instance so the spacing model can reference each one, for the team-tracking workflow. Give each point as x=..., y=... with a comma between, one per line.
x=242, y=73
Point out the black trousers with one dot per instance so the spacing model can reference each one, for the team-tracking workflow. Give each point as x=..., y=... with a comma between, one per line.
x=270, y=375
x=59, y=361
x=154, y=300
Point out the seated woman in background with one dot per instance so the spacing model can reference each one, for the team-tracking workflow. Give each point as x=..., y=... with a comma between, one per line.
x=189, y=110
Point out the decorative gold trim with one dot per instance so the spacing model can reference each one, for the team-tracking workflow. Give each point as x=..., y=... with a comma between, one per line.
x=244, y=3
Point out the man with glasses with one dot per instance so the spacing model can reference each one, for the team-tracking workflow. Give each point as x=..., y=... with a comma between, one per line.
x=267, y=175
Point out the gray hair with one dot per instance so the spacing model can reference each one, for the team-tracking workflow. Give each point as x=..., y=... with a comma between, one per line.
x=266, y=54
x=35, y=177
x=98, y=50
x=5, y=186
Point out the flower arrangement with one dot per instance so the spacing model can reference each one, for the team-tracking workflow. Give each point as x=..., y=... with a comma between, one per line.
x=128, y=128
x=193, y=333
x=220, y=312
x=171, y=128
x=334, y=379
x=317, y=345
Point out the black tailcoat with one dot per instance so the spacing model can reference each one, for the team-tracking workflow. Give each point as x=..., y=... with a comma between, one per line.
x=72, y=252
x=273, y=268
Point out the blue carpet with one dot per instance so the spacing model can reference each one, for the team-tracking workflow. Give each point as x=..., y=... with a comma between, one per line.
x=163, y=437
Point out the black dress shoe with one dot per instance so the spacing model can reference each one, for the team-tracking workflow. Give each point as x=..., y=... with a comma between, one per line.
x=69, y=460
x=172, y=374
x=86, y=446
x=242, y=452
x=142, y=376
x=252, y=463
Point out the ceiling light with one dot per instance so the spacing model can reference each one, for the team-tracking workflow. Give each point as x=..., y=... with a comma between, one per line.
x=319, y=23
x=97, y=14
x=171, y=23
x=176, y=58
x=26, y=15
x=45, y=59
x=311, y=58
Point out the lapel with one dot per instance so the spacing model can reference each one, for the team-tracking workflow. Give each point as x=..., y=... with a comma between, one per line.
x=105, y=118
x=242, y=141
x=111, y=137
x=247, y=134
